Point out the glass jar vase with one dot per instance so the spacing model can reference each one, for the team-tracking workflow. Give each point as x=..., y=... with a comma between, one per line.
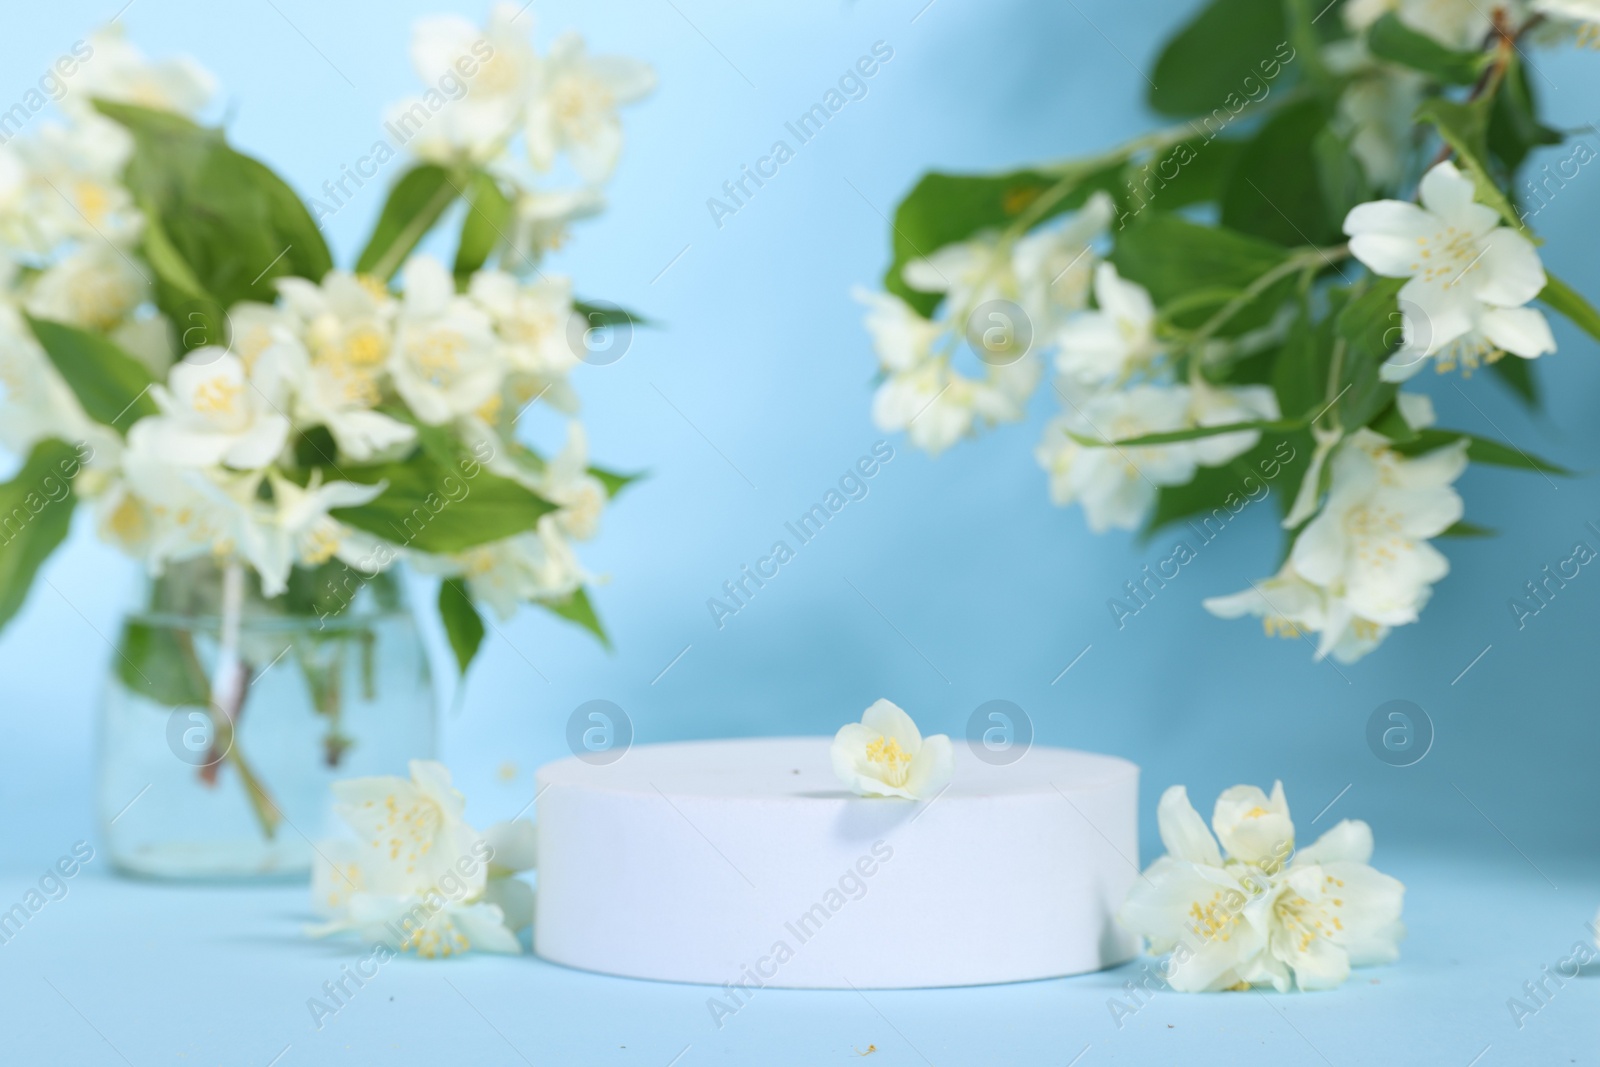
x=335, y=684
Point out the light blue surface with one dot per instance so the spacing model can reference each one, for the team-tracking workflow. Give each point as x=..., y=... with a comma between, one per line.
x=747, y=405
x=197, y=975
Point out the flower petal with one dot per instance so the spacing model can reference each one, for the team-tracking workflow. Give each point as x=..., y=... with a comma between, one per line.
x=932, y=769
x=886, y=719
x=1183, y=831
x=1384, y=235
x=1252, y=826
x=1522, y=331
x=1206, y=953
x=1447, y=193
x=1512, y=273
x=514, y=844
x=1350, y=840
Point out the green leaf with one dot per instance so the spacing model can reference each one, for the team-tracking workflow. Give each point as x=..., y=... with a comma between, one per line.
x=946, y=208
x=1340, y=176
x=1481, y=450
x=614, y=482
x=1514, y=126
x=1216, y=63
x=437, y=508
x=1561, y=297
x=1275, y=190
x=1467, y=529
x=1391, y=39
x=234, y=223
x=35, y=515
x=1370, y=326
x=415, y=203
x=1391, y=422
x=1220, y=493
x=1517, y=375
x=488, y=216
x=197, y=318
x=1193, y=433
x=1300, y=373
x=1465, y=128
x=159, y=663
x=577, y=609
x=112, y=386
x=1173, y=257
x=1190, y=172
x=315, y=447
x=462, y=624
x=598, y=314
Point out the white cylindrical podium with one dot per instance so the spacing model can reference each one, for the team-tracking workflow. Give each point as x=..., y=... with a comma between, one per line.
x=744, y=863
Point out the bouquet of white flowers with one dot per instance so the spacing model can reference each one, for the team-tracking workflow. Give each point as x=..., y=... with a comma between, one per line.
x=178, y=349
x=1200, y=293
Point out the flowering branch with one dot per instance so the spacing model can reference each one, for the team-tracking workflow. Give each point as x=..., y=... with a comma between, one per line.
x=1178, y=346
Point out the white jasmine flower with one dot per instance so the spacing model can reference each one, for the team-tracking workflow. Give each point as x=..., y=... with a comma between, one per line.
x=213, y=414
x=1289, y=606
x=541, y=219
x=1212, y=405
x=410, y=832
x=532, y=319
x=885, y=755
x=333, y=342
x=927, y=403
x=346, y=324
x=567, y=482
x=902, y=338
x=516, y=848
x=336, y=388
x=1265, y=913
x=1469, y=275
x=1002, y=395
x=1252, y=826
x=1114, y=341
x=1460, y=24
x=297, y=529
x=76, y=190
x=1580, y=11
x=539, y=565
x=575, y=108
x=1369, y=543
x=477, y=123
x=445, y=363
x=936, y=407
x=165, y=512
x=1364, y=564
x=119, y=72
x=35, y=401
x=17, y=227
x=969, y=273
x=95, y=287
x=1117, y=485
x=1375, y=110
x=418, y=876
x=430, y=923
x=1055, y=267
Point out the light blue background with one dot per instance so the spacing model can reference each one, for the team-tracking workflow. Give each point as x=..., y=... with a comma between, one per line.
x=985, y=590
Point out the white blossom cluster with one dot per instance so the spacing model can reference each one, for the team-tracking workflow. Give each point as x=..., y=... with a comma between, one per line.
x=1376, y=109
x=412, y=875
x=213, y=472
x=1261, y=909
x=1364, y=563
x=563, y=103
x=1113, y=375
x=1366, y=511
